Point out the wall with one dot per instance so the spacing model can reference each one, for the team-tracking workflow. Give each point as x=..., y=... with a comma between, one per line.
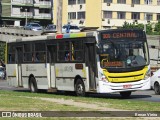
x=93, y=13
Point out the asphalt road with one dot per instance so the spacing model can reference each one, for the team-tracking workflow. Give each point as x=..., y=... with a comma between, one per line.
x=147, y=95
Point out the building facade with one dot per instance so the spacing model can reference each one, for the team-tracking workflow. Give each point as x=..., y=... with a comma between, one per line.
x=18, y=12
x=109, y=13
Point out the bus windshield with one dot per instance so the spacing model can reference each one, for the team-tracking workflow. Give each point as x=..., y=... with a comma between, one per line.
x=123, y=54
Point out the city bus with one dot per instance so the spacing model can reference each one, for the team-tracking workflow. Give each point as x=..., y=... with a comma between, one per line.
x=101, y=61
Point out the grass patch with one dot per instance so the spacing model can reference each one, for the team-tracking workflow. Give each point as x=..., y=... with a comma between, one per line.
x=12, y=100
x=18, y=101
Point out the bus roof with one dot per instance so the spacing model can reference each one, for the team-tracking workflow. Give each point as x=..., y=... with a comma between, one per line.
x=53, y=36
x=70, y=35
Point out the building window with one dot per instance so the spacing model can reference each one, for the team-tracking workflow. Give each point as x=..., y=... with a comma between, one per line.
x=81, y=1
x=107, y=14
x=121, y=1
x=135, y=15
x=107, y=1
x=158, y=2
x=135, y=1
x=149, y=16
x=158, y=16
x=71, y=2
x=71, y=15
x=121, y=15
x=81, y=15
x=44, y=11
x=148, y=2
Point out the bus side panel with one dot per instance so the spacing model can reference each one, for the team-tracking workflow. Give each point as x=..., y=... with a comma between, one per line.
x=11, y=75
x=66, y=73
x=39, y=71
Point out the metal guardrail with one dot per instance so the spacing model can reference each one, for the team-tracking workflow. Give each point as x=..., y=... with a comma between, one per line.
x=19, y=32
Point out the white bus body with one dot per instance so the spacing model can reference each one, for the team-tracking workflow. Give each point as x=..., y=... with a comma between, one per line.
x=82, y=76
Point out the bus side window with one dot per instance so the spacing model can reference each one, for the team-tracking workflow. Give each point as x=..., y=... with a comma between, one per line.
x=40, y=57
x=40, y=52
x=36, y=59
x=77, y=50
x=11, y=54
x=28, y=55
x=11, y=58
x=67, y=56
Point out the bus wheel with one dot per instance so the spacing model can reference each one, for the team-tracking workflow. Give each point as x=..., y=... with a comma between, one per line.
x=80, y=88
x=125, y=94
x=33, y=85
x=157, y=88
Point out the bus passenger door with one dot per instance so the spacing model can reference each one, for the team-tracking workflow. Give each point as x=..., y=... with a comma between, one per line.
x=19, y=60
x=91, y=63
x=51, y=58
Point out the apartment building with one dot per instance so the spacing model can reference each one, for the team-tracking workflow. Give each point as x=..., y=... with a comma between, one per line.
x=110, y=13
x=18, y=12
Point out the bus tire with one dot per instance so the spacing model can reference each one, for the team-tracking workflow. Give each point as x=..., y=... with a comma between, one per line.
x=126, y=94
x=157, y=88
x=33, y=85
x=80, y=88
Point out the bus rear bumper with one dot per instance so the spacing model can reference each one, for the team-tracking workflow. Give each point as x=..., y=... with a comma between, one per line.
x=106, y=87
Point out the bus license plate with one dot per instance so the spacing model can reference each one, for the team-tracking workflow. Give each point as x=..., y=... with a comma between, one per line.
x=127, y=86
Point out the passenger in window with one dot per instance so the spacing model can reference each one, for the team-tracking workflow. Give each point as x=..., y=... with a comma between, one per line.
x=37, y=57
x=32, y=57
x=44, y=57
x=67, y=56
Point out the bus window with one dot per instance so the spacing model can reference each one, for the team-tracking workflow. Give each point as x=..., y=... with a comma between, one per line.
x=67, y=51
x=40, y=52
x=70, y=51
x=11, y=54
x=40, y=57
x=28, y=53
x=51, y=53
x=77, y=50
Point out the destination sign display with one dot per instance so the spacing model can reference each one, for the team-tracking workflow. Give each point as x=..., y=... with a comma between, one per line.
x=128, y=34
x=113, y=64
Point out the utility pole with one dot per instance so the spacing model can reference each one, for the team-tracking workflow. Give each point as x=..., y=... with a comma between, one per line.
x=59, y=15
x=26, y=15
x=145, y=22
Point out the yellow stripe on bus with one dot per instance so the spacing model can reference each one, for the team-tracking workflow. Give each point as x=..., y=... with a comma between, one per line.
x=125, y=77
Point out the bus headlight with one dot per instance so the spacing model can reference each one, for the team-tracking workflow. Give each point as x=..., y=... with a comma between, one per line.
x=148, y=74
x=103, y=78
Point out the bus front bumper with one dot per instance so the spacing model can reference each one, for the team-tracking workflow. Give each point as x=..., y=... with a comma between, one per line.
x=106, y=87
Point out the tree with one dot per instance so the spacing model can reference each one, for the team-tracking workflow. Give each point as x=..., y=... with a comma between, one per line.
x=149, y=30
x=2, y=50
x=157, y=27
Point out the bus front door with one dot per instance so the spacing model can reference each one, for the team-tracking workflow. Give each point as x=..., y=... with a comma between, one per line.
x=91, y=63
x=51, y=65
x=19, y=60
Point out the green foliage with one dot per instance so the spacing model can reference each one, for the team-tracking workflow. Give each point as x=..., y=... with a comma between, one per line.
x=2, y=50
x=46, y=102
x=151, y=28
x=157, y=27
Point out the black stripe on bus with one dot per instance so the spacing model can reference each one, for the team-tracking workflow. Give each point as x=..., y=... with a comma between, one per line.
x=68, y=78
x=46, y=77
x=11, y=76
